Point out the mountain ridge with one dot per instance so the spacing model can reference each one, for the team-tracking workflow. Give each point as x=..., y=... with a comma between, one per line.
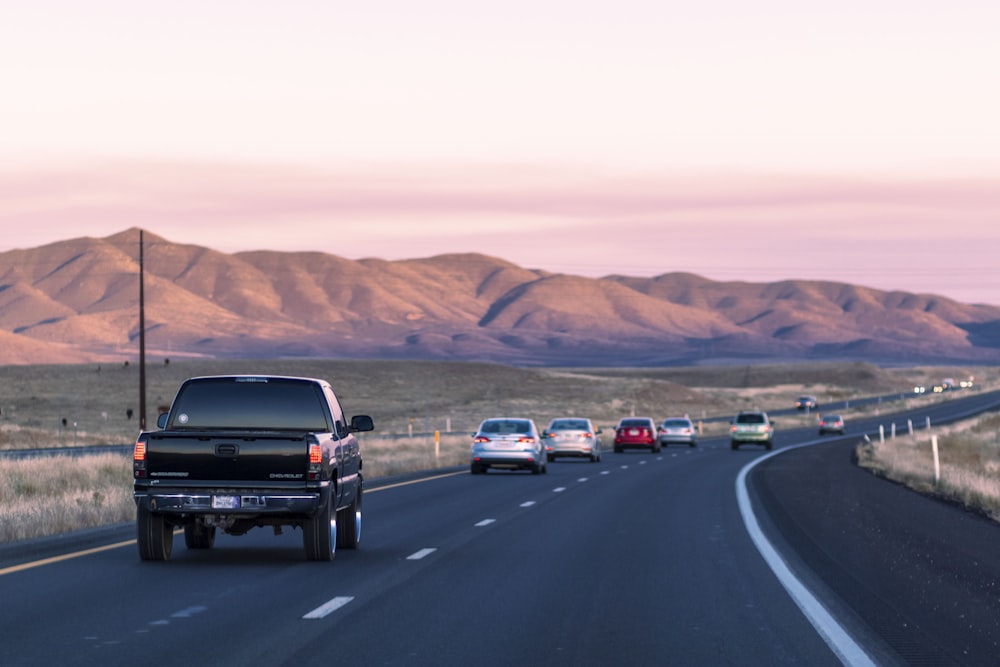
x=78, y=299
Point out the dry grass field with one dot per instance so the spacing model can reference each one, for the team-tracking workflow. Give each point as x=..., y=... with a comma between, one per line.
x=67, y=405
x=969, y=462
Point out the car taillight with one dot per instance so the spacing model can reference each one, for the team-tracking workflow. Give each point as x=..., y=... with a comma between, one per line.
x=480, y=439
x=525, y=439
x=139, y=457
x=315, y=471
x=732, y=429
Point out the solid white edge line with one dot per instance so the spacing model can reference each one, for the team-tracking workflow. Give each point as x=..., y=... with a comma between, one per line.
x=833, y=633
x=326, y=609
x=423, y=553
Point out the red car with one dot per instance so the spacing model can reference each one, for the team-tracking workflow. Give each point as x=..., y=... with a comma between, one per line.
x=636, y=432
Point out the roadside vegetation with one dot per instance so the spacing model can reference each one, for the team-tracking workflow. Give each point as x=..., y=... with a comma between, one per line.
x=75, y=405
x=969, y=462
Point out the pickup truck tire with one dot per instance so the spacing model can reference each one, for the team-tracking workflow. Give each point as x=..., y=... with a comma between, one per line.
x=319, y=534
x=199, y=536
x=349, y=524
x=154, y=535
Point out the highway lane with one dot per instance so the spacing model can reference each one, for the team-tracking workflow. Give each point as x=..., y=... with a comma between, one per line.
x=639, y=559
x=915, y=579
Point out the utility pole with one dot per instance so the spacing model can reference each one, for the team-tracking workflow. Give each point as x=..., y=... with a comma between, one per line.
x=142, y=340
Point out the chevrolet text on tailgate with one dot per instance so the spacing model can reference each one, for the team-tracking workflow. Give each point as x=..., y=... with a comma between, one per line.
x=239, y=452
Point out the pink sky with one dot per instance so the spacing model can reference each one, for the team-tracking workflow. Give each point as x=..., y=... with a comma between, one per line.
x=854, y=141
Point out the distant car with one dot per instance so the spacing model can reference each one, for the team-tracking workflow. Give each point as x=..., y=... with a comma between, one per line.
x=678, y=430
x=508, y=443
x=636, y=432
x=806, y=403
x=572, y=436
x=751, y=426
x=831, y=424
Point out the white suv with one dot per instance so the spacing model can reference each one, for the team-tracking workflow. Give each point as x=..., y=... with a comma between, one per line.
x=753, y=427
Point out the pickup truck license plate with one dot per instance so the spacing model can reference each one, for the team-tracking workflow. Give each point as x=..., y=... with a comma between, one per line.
x=225, y=502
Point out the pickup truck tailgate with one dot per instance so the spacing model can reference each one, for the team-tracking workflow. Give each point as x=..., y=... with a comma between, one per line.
x=180, y=458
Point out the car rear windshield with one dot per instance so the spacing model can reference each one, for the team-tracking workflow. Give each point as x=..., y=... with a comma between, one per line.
x=569, y=425
x=752, y=418
x=250, y=403
x=676, y=423
x=632, y=423
x=506, y=426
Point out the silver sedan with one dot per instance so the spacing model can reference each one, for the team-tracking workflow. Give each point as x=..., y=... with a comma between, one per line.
x=508, y=443
x=678, y=431
x=572, y=436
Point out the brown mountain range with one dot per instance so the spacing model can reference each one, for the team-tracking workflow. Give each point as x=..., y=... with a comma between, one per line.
x=77, y=301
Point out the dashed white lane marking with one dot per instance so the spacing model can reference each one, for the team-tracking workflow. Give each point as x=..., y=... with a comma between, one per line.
x=423, y=553
x=583, y=479
x=832, y=632
x=189, y=612
x=485, y=522
x=605, y=472
x=528, y=504
x=326, y=609
x=559, y=489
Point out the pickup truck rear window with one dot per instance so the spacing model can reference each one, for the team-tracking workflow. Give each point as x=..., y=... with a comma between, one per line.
x=233, y=403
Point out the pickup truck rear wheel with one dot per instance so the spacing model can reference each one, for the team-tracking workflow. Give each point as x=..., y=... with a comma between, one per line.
x=319, y=535
x=154, y=535
x=199, y=536
x=349, y=524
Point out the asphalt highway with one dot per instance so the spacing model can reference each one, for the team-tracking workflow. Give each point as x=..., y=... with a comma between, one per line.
x=641, y=559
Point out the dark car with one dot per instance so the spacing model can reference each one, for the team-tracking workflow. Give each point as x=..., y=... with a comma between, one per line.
x=831, y=424
x=806, y=402
x=636, y=432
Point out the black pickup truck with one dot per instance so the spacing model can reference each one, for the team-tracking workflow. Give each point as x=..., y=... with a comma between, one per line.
x=241, y=451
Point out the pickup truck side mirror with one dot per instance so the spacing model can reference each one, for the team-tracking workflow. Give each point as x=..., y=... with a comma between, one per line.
x=361, y=423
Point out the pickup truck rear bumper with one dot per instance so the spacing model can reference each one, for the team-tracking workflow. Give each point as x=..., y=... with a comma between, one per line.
x=228, y=502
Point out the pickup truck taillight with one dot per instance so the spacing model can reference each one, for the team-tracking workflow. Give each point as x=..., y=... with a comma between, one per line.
x=139, y=457
x=315, y=462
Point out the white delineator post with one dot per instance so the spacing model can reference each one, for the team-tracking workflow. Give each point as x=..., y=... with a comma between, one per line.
x=937, y=461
